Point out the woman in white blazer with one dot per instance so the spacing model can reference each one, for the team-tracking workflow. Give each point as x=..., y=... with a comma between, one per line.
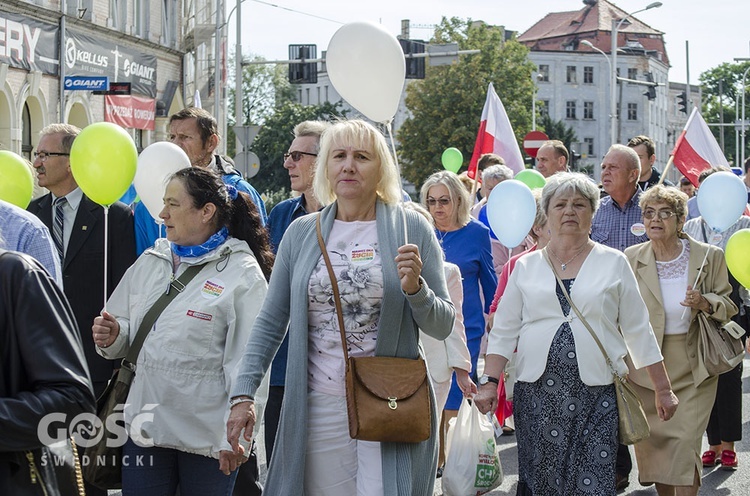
x=564, y=400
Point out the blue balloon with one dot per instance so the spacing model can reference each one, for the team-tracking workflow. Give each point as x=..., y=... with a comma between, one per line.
x=511, y=209
x=722, y=198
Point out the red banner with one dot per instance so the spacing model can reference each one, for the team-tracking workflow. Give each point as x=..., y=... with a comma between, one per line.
x=130, y=112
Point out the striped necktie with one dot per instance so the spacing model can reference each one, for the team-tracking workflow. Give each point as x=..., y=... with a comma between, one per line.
x=57, y=227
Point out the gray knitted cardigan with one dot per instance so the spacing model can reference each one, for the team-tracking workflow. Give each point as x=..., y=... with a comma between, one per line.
x=408, y=469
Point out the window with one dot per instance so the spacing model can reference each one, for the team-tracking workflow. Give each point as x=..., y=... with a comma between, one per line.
x=140, y=18
x=588, y=146
x=543, y=73
x=544, y=107
x=588, y=110
x=118, y=12
x=632, y=111
x=168, y=23
x=570, y=74
x=588, y=75
x=632, y=73
x=570, y=109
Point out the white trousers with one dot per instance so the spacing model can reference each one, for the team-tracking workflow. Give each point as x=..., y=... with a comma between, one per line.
x=335, y=464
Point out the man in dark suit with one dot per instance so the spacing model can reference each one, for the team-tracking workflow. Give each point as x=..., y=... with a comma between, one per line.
x=77, y=227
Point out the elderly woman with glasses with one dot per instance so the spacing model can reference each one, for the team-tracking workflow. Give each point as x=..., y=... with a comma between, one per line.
x=564, y=397
x=666, y=267
x=466, y=243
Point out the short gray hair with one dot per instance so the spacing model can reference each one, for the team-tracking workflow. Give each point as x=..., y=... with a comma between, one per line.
x=68, y=131
x=634, y=161
x=456, y=190
x=311, y=128
x=571, y=182
x=497, y=172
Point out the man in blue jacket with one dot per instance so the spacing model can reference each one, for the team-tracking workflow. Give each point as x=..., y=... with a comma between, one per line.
x=196, y=132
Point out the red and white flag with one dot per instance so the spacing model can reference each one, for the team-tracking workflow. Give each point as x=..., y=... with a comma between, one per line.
x=696, y=149
x=496, y=135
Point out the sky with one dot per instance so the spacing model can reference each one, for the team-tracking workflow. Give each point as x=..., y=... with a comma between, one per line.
x=717, y=30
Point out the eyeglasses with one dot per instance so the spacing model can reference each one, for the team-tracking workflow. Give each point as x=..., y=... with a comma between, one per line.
x=43, y=156
x=444, y=202
x=297, y=155
x=663, y=214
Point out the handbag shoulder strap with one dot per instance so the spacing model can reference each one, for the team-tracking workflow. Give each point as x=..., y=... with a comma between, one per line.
x=179, y=284
x=334, y=286
x=579, y=314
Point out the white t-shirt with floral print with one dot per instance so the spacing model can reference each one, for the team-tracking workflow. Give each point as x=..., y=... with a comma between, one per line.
x=355, y=257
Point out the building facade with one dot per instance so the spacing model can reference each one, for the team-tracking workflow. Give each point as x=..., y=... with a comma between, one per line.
x=574, y=80
x=53, y=53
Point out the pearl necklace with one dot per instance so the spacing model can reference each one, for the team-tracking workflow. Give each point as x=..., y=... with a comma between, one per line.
x=564, y=265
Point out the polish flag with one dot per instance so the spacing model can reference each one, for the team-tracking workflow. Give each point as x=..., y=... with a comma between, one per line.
x=696, y=149
x=496, y=136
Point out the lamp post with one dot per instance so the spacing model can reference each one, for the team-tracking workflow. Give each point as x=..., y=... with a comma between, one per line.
x=613, y=90
x=612, y=110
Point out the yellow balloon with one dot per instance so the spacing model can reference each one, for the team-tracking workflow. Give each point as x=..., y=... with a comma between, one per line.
x=736, y=254
x=16, y=180
x=103, y=160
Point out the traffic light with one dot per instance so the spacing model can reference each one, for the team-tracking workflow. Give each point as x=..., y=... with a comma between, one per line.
x=651, y=90
x=682, y=103
x=414, y=65
x=303, y=73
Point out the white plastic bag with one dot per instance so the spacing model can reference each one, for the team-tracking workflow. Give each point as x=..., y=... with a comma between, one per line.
x=472, y=466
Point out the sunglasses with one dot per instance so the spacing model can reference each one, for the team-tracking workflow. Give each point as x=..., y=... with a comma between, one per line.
x=663, y=214
x=297, y=155
x=444, y=202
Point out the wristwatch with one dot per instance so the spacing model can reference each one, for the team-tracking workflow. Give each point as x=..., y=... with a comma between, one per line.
x=486, y=378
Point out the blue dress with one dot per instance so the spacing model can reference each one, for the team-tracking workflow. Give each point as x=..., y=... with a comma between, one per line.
x=469, y=248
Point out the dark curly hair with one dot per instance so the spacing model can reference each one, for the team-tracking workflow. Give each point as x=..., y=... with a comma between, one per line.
x=240, y=215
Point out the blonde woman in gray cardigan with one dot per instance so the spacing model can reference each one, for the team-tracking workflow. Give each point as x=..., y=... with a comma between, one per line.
x=390, y=288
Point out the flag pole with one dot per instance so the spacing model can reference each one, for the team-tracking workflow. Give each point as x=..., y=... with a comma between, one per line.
x=666, y=169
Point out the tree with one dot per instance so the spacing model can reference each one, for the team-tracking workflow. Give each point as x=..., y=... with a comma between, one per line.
x=264, y=87
x=722, y=98
x=558, y=130
x=447, y=105
x=275, y=136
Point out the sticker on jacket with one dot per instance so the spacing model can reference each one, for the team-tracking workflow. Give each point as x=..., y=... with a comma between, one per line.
x=212, y=289
x=200, y=315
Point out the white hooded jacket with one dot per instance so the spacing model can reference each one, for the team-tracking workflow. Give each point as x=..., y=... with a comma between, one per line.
x=187, y=363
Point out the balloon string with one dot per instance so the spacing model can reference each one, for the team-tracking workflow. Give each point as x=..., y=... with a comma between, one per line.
x=697, y=278
x=389, y=126
x=106, y=251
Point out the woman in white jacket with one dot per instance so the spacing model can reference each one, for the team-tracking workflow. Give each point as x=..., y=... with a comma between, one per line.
x=177, y=405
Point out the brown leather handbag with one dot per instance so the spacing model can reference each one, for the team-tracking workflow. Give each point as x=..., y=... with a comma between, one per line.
x=387, y=398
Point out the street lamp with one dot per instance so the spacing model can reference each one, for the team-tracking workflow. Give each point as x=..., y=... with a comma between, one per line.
x=613, y=90
x=612, y=110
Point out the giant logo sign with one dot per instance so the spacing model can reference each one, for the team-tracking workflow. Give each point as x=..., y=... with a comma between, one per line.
x=86, y=56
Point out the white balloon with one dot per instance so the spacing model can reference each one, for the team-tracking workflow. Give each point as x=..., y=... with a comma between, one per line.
x=511, y=209
x=722, y=198
x=367, y=67
x=155, y=165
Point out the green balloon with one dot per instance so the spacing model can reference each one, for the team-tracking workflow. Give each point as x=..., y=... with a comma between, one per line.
x=736, y=255
x=103, y=160
x=452, y=159
x=531, y=178
x=16, y=180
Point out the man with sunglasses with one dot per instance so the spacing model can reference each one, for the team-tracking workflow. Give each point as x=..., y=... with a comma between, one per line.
x=196, y=132
x=299, y=162
x=77, y=227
